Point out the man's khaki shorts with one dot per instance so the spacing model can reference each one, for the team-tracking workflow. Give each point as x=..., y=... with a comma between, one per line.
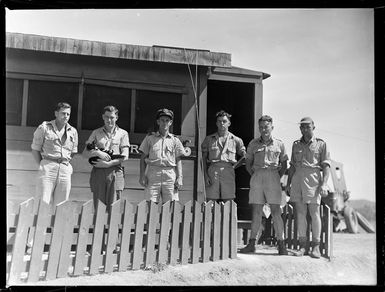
x=265, y=187
x=222, y=178
x=305, y=186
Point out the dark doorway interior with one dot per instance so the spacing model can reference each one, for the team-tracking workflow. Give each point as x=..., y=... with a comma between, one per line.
x=237, y=98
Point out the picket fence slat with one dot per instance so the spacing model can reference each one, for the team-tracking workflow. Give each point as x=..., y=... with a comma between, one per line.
x=290, y=227
x=151, y=234
x=57, y=233
x=225, y=230
x=22, y=228
x=112, y=237
x=187, y=217
x=128, y=221
x=164, y=233
x=69, y=214
x=207, y=231
x=97, y=241
x=139, y=230
x=42, y=222
x=81, y=258
x=176, y=223
x=233, y=230
x=216, y=232
x=197, y=219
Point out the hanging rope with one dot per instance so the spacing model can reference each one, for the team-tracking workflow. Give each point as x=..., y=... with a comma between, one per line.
x=200, y=162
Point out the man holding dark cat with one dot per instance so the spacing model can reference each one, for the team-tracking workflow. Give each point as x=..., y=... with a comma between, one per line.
x=107, y=175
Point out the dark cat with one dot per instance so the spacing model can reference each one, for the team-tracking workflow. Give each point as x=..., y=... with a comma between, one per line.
x=93, y=159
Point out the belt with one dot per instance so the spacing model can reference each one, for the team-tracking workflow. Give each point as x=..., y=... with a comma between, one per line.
x=57, y=160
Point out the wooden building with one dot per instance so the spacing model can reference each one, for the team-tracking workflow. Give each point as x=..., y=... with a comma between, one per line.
x=195, y=84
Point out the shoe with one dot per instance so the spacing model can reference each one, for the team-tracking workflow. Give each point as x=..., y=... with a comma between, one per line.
x=282, y=248
x=315, y=253
x=303, y=247
x=249, y=248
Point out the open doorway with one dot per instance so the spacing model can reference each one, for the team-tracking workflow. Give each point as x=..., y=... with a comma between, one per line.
x=236, y=98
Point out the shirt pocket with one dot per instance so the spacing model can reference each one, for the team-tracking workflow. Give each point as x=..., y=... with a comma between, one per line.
x=273, y=154
x=213, y=151
x=115, y=143
x=231, y=153
x=259, y=155
x=51, y=137
x=298, y=155
x=316, y=154
x=69, y=143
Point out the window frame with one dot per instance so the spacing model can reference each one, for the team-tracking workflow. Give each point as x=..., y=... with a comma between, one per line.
x=134, y=86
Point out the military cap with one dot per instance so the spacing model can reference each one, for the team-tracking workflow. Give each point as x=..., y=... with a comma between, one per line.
x=165, y=112
x=306, y=120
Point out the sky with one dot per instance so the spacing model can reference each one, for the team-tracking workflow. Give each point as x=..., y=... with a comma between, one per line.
x=321, y=63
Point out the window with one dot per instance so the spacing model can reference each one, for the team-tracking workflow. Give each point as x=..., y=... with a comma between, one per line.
x=14, y=101
x=147, y=104
x=43, y=96
x=96, y=97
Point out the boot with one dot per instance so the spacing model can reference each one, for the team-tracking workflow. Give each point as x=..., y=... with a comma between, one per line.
x=282, y=248
x=315, y=252
x=250, y=247
x=303, y=247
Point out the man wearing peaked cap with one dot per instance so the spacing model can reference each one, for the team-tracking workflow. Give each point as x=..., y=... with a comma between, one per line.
x=307, y=182
x=164, y=113
x=306, y=120
x=161, y=155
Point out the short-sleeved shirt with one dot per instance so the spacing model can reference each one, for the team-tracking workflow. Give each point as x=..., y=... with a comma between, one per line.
x=313, y=154
x=115, y=141
x=162, y=151
x=223, y=153
x=268, y=155
x=47, y=141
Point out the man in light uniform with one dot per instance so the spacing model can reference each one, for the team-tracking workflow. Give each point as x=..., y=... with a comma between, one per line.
x=266, y=161
x=107, y=175
x=307, y=182
x=219, y=152
x=54, y=144
x=161, y=155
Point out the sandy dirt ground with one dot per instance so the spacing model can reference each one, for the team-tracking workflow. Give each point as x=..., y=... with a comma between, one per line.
x=353, y=263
